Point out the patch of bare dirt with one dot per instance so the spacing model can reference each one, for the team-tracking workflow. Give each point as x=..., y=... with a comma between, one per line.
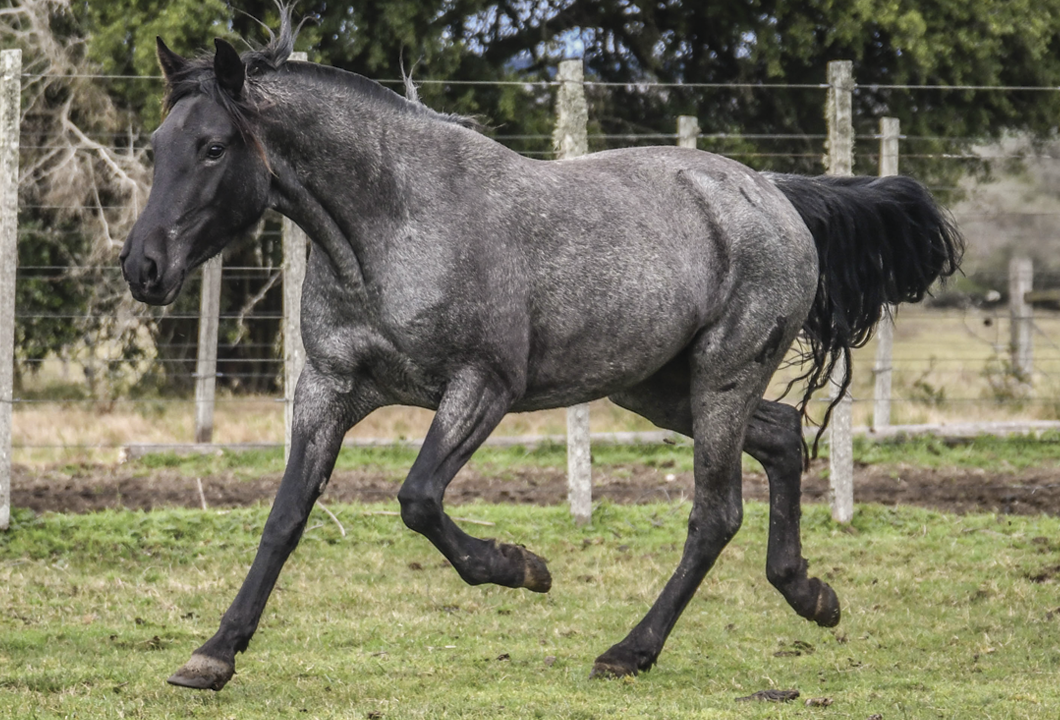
x=1029, y=492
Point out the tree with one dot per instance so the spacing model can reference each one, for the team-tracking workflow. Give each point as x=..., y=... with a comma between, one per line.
x=77, y=195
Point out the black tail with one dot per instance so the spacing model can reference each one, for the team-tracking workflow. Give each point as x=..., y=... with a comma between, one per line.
x=880, y=242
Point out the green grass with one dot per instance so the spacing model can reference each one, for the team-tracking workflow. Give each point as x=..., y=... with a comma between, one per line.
x=985, y=452
x=398, y=459
x=944, y=617
x=988, y=453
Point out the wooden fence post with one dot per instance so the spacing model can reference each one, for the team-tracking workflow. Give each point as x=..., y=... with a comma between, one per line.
x=571, y=139
x=1021, y=312
x=881, y=408
x=10, y=117
x=206, y=365
x=687, y=131
x=839, y=115
x=295, y=242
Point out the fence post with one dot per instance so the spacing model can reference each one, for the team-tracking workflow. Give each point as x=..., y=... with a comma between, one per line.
x=10, y=116
x=1021, y=312
x=295, y=242
x=571, y=139
x=840, y=161
x=687, y=131
x=881, y=408
x=206, y=365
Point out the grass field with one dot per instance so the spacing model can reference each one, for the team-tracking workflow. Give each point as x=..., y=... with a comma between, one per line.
x=944, y=617
x=987, y=453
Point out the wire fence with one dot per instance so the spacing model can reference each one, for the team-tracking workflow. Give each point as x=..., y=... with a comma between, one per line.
x=963, y=357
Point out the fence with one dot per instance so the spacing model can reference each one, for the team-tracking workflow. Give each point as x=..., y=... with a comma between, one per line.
x=906, y=377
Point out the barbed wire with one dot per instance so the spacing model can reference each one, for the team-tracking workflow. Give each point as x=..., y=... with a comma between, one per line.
x=598, y=83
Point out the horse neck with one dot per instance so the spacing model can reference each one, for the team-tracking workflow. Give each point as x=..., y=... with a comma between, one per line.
x=345, y=166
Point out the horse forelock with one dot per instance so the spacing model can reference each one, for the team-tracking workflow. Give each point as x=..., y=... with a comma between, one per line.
x=197, y=77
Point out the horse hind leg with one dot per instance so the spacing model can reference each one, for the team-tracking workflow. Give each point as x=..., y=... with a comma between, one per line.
x=774, y=438
x=472, y=406
x=721, y=397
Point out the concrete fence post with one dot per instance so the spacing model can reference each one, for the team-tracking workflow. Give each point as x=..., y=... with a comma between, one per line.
x=881, y=408
x=10, y=118
x=295, y=244
x=571, y=139
x=1021, y=312
x=206, y=365
x=840, y=161
x=687, y=131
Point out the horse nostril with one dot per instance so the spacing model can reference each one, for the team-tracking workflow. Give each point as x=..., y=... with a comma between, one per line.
x=150, y=272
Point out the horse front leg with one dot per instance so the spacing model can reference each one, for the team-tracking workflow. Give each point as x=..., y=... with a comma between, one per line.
x=774, y=438
x=322, y=415
x=473, y=404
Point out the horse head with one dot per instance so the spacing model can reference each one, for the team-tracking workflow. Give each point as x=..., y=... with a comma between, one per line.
x=211, y=178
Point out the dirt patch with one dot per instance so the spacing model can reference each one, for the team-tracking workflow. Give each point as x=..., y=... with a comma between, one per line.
x=1029, y=492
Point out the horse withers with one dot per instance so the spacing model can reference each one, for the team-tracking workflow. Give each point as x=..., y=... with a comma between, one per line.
x=450, y=273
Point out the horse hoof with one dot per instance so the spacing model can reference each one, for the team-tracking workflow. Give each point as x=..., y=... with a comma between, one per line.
x=522, y=569
x=203, y=672
x=827, y=613
x=617, y=663
x=536, y=578
x=602, y=669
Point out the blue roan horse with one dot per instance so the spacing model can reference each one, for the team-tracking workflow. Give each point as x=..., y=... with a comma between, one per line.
x=450, y=273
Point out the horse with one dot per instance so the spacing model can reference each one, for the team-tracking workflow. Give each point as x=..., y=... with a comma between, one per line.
x=450, y=273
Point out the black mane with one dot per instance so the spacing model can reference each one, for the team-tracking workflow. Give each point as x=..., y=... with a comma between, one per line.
x=197, y=78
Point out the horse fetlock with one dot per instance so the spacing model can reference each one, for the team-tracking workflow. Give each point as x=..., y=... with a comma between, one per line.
x=203, y=672
x=784, y=575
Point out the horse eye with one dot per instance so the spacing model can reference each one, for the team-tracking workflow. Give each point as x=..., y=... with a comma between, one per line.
x=215, y=151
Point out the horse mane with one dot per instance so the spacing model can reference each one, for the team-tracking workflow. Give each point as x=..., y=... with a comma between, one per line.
x=197, y=77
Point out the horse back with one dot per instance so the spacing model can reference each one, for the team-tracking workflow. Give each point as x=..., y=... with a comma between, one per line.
x=643, y=249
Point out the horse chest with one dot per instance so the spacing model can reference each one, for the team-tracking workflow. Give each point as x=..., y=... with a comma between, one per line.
x=350, y=349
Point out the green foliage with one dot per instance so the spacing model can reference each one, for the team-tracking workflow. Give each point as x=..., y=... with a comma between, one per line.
x=47, y=293
x=924, y=392
x=121, y=39
x=1007, y=383
x=986, y=452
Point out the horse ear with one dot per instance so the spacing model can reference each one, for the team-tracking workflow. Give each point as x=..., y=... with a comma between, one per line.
x=171, y=62
x=229, y=68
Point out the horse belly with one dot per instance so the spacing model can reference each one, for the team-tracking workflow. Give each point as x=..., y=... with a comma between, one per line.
x=598, y=350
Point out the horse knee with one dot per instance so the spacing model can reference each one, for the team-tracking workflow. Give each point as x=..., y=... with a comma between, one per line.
x=730, y=522
x=716, y=526
x=418, y=512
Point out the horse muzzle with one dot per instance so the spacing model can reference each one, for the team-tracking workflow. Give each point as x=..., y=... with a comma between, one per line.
x=144, y=266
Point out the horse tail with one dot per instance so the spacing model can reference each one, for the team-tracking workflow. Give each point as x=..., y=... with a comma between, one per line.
x=880, y=242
